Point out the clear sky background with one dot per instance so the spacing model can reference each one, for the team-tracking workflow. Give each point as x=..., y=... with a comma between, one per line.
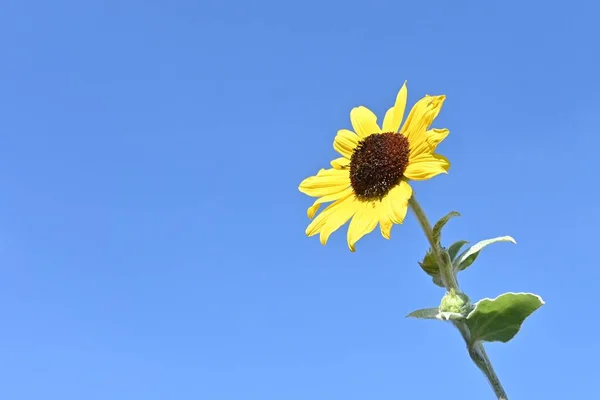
x=152, y=234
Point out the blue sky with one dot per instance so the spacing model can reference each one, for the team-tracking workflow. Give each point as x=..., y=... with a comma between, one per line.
x=151, y=230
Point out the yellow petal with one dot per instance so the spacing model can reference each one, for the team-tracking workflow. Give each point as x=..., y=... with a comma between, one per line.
x=340, y=163
x=385, y=224
x=345, y=142
x=435, y=136
x=421, y=117
x=317, y=224
x=326, y=182
x=432, y=138
x=395, y=204
x=342, y=214
x=363, y=222
x=364, y=122
x=326, y=199
x=426, y=166
x=387, y=120
x=393, y=117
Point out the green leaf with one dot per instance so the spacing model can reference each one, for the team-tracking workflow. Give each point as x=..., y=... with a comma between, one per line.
x=424, y=313
x=455, y=248
x=430, y=266
x=467, y=257
x=437, y=280
x=434, y=313
x=437, y=228
x=499, y=319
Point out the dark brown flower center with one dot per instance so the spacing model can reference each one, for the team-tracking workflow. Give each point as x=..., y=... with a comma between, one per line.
x=378, y=164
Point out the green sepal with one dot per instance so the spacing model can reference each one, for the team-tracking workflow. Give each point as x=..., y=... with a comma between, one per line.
x=467, y=258
x=499, y=319
x=437, y=228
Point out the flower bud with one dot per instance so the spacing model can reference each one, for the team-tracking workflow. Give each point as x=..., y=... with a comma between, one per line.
x=454, y=302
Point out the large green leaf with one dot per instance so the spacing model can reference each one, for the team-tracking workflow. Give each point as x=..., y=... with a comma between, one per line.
x=499, y=319
x=468, y=256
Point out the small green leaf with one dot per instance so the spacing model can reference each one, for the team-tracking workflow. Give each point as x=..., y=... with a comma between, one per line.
x=499, y=319
x=424, y=313
x=437, y=228
x=430, y=266
x=467, y=257
x=455, y=248
x=437, y=280
x=434, y=313
x=429, y=263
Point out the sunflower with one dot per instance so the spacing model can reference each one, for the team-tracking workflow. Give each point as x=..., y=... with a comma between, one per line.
x=369, y=184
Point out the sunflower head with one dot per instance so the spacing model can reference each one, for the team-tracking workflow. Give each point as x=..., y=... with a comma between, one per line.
x=369, y=183
x=378, y=164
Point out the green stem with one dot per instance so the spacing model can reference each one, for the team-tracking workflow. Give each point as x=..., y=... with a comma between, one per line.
x=446, y=273
x=476, y=350
x=480, y=358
